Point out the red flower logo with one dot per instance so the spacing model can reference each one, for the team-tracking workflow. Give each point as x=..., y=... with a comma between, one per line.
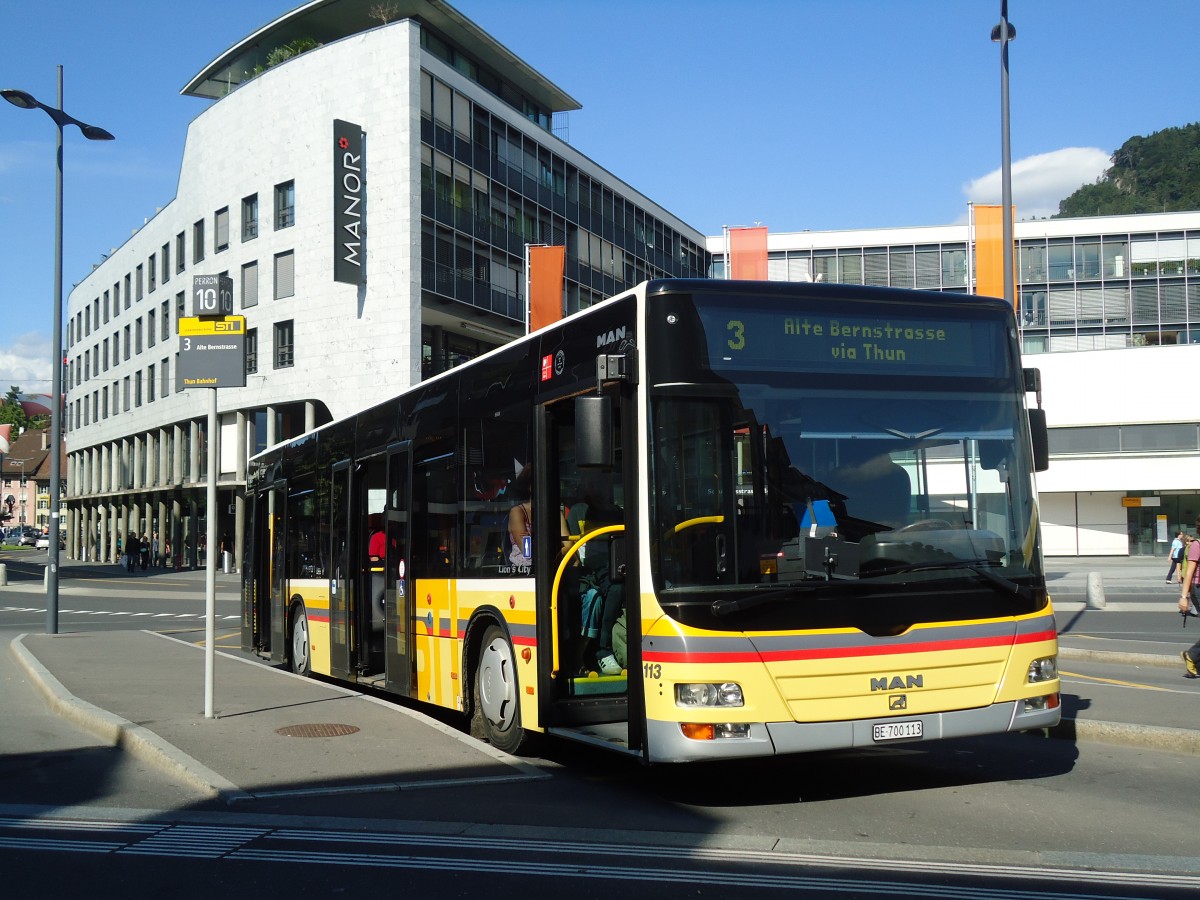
x=343, y=143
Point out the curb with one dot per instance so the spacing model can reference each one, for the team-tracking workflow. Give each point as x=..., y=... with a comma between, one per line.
x=1118, y=656
x=1155, y=737
x=119, y=732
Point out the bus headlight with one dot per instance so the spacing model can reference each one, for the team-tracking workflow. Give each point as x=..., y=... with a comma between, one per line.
x=1044, y=669
x=726, y=693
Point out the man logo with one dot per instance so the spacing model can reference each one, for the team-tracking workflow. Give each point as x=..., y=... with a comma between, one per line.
x=896, y=683
x=899, y=701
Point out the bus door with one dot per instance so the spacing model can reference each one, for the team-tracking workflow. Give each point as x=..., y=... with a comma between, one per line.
x=256, y=577
x=398, y=655
x=343, y=574
x=368, y=551
x=274, y=565
x=585, y=586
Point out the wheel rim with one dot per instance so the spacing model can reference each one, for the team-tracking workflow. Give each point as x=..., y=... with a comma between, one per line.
x=498, y=684
x=300, y=642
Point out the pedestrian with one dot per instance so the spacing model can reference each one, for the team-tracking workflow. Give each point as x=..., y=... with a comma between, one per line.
x=1189, y=600
x=144, y=552
x=1177, y=557
x=154, y=558
x=131, y=553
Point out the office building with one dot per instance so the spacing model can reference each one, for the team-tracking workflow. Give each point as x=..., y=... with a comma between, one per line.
x=369, y=189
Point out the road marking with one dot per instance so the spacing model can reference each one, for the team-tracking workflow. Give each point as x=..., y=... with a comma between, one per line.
x=1118, y=683
x=104, y=612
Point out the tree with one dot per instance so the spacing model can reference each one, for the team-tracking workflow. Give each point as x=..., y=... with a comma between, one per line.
x=11, y=411
x=1158, y=173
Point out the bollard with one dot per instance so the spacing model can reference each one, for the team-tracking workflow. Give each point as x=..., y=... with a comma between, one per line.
x=1095, y=591
x=3, y=575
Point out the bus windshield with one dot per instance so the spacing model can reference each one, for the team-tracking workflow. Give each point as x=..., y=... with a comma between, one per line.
x=791, y=467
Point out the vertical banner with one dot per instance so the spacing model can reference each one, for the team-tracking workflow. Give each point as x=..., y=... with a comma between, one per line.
x=989, y=251
x=748, y=254
x=545, y=285
x=349, y=203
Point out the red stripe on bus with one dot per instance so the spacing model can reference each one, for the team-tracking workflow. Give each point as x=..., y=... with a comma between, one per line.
x=799, y=653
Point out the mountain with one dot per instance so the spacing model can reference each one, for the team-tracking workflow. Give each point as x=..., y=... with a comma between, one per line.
x=1159, y=173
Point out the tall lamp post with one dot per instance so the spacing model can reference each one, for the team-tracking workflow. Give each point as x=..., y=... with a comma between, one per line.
x=1003, y=33
x=93, y=133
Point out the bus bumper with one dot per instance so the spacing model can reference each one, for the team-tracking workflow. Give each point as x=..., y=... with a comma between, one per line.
x=666, y=742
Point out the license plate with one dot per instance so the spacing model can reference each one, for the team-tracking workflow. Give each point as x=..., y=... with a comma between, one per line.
x=895, y=731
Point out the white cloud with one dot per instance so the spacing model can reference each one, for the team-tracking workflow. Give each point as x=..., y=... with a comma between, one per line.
x=25, y=363
x=1040, y=182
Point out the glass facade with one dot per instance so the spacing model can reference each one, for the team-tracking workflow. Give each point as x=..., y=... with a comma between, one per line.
x=1082, y=292
x=488, y=189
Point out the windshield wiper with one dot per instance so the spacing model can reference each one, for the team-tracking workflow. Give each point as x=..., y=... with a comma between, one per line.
x=979, y=566
x=729, y=605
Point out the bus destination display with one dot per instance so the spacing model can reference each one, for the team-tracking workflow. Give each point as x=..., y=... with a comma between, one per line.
x=754, y=339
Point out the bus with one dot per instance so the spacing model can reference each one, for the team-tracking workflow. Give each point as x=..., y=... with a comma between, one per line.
x=699, y=520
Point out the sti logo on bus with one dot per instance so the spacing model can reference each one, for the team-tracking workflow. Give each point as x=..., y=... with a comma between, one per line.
x=896, y=683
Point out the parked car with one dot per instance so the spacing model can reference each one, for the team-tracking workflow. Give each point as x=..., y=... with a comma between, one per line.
x=43, y=542
x=25, y=536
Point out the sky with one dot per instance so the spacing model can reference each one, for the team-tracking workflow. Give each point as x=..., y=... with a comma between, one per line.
x=793, y=114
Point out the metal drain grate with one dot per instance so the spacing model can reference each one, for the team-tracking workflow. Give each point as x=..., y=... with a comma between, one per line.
x=317, y=729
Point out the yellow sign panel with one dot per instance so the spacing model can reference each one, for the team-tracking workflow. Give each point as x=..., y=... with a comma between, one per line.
x=197, y=327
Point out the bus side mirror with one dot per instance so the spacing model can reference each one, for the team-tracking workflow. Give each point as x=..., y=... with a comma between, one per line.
x=1041, y=439
x=593, y=432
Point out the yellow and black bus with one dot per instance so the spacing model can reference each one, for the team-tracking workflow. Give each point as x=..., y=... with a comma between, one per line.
x=699, y=520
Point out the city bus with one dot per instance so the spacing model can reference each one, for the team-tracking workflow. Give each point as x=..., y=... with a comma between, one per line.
x=700, y=520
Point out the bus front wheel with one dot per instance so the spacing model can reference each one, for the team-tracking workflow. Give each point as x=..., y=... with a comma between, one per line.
x=497, y=703
x=301, y=649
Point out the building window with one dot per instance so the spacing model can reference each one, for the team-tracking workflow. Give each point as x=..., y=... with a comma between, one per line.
x=285, y=205
x=166, y=263
x=140, y=288
x=180, y=247
x=285, y=275
x=250, y=217
x=152, y=273
x=285, y=349
x=126, y=394
x=150, y=332
x=251, y=351
x=250, y=284
x=106, y=306
x=128, y=290
x=127, y=342
x=221, y=229
x=137, y=389
x=165, y=311
x=137, y=339
x=150, y=383
x=164, y=369
x=198, y=242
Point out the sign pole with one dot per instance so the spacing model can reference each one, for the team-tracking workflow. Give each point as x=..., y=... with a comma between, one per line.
x=210, y=560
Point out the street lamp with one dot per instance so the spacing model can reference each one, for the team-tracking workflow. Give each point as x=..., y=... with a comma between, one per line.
x=61, y=119
x=1003, y=33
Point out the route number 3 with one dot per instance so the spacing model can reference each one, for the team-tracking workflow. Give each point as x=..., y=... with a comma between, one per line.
x=738, y=331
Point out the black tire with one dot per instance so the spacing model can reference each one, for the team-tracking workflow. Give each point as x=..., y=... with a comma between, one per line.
x=301, y=655
x=497, y=695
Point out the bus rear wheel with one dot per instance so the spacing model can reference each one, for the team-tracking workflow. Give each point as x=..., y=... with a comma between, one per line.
x=497, y=701
x=301, y=648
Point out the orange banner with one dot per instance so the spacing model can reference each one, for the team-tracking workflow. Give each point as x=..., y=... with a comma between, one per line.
x=545, y=285
x=748, y=254
x=989, y=251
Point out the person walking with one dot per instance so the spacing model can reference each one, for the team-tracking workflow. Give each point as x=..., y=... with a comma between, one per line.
x=1189, y=601
x=1177, y=557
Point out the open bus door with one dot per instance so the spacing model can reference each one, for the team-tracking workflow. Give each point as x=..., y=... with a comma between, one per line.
x=587, y=593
